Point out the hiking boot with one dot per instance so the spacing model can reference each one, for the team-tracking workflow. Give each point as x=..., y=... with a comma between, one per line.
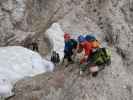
x=83, y=67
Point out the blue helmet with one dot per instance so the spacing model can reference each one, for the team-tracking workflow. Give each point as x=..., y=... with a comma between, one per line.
x=81, y=38
x=90, y=37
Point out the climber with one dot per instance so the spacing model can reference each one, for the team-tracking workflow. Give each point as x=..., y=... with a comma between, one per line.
x=100, y=56
x=87, y=47
x=98, y=51
x=95, y=44
x=69, y=49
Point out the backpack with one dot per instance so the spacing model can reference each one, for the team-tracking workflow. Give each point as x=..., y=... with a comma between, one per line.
x=55, y=58
x=101, y=56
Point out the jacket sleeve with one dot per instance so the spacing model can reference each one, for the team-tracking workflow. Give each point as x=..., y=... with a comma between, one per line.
x=88, y=50
x=65, y=47
x=74, y=44
x=87, y=53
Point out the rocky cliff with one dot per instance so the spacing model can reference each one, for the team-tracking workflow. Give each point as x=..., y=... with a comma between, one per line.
x=23, y=20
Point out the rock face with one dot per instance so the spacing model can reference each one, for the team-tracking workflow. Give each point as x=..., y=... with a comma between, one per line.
x=22, y=19
x=111, y=20
x=112, y=83
x=17, y=64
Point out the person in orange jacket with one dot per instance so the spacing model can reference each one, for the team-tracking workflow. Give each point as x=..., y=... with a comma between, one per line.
x=69, y=48
x=87, y=47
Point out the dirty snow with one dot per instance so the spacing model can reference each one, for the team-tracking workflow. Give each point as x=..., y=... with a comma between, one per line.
x=55, y=35
x=16, y=63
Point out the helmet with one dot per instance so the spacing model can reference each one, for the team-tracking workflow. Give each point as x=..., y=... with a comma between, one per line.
x=81, y=38
x=67, y=36
x=90, y=37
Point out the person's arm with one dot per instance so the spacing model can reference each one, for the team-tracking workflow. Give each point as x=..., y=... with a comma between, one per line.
x=88, y=50
x=76, y=44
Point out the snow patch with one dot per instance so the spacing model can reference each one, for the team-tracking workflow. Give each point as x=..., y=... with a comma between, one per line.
x=55, y=35
x=5, y=87
x=16, y=63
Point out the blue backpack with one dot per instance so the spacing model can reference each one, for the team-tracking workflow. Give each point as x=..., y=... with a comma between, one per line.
x=90, y=37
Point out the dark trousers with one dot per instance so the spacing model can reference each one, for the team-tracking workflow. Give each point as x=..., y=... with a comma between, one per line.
x=68, y=56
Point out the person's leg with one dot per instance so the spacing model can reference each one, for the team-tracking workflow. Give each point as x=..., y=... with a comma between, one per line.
x=69, y=58
x=70, y=54
x=65, y=59
x=83, y=68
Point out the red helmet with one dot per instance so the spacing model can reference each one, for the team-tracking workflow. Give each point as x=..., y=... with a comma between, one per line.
x=67, y=36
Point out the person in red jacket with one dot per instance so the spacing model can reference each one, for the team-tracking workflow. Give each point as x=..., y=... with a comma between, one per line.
x=69, y=48
x=87, y=47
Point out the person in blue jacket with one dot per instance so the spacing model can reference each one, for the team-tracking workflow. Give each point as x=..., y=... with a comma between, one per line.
x=70, y=46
